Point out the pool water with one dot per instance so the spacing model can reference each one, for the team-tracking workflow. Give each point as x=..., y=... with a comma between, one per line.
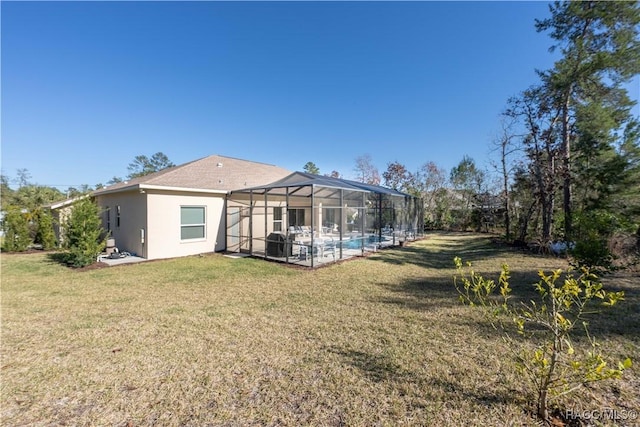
x=357, y=242
x=352, y=244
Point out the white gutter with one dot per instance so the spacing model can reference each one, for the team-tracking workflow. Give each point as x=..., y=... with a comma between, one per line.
x=107, y=190
x=143, y=187
x=186, y=189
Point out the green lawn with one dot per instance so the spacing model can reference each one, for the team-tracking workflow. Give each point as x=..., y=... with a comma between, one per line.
x=211, y=340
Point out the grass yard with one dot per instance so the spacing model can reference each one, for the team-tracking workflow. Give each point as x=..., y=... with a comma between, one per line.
x=211, y=340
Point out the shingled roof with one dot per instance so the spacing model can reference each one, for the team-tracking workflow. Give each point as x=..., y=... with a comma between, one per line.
x=214, y=173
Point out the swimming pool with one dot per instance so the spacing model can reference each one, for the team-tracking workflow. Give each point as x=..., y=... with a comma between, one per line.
x=356, y=242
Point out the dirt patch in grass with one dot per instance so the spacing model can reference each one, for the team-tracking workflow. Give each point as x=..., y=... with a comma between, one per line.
x=211, y=340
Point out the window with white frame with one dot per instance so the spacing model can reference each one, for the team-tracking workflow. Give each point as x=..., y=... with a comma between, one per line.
x=192, y=222
x=277, y=219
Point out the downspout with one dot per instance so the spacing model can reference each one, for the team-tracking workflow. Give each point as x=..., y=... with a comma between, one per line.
x=143, y=233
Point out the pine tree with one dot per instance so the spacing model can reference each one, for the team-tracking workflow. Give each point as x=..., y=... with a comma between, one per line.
x=600, y=52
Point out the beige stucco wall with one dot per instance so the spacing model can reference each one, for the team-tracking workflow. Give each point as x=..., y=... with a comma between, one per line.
x=163, y=224
x=133, y=218
x=158, y=214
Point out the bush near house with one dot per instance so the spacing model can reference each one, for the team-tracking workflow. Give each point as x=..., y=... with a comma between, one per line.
x=84, y=235
x=43, y=233
x=16, y=230
x=23, y=229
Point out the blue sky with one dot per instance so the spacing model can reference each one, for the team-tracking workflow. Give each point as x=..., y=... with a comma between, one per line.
x=87, y=86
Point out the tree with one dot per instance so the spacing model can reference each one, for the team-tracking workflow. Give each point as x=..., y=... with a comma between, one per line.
x=505, y=145
x=535, y=108
x=84, y=236
x=626, y=186
x=600, y=52
x=397, y=177
x=334, y=174
x=142, y=165
x=23, y=177
x=114, y=180
x=28, y=221
x=365, y=171
x=430, y=183
x=31, y=196
x=311, y=167
x=523, y=193
x=6, y=193
x=467, y=180
x=83, y=189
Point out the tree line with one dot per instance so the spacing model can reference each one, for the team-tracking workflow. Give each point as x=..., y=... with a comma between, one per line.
x=566, y=161
x=27, y=221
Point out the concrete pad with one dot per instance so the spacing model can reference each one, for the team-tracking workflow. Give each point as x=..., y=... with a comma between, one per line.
x=119, y=261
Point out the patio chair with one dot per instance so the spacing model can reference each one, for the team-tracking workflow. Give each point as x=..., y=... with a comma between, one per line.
x=305, y=230
x=329, y=247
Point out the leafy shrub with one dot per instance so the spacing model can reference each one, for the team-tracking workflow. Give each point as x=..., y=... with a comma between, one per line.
x=44, y=233
x=592, y=253
x=16, y=230
x=84, y=236
x=546, y=357
x=592, y=231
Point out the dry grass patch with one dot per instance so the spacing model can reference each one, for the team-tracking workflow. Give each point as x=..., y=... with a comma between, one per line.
x=219, y=341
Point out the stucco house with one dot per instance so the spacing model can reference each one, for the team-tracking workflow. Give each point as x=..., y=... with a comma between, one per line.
x=220, y=203
x=178, y=211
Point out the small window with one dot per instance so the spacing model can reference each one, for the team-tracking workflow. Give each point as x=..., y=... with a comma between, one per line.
x=192, y=222
x=118, y=216
x=107, y=212
x=277, y=219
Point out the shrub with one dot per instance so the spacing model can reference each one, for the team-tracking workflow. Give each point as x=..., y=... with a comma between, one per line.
x=592, y=253
x=593, y=229
x=546, y=356
x=84, y=234
x=16, y=230
x=44, y=233
x=625, y=248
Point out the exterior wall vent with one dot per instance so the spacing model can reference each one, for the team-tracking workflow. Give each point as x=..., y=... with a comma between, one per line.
x=219, y=165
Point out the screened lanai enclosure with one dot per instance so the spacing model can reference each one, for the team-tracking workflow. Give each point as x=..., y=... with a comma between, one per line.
x=311, y=220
